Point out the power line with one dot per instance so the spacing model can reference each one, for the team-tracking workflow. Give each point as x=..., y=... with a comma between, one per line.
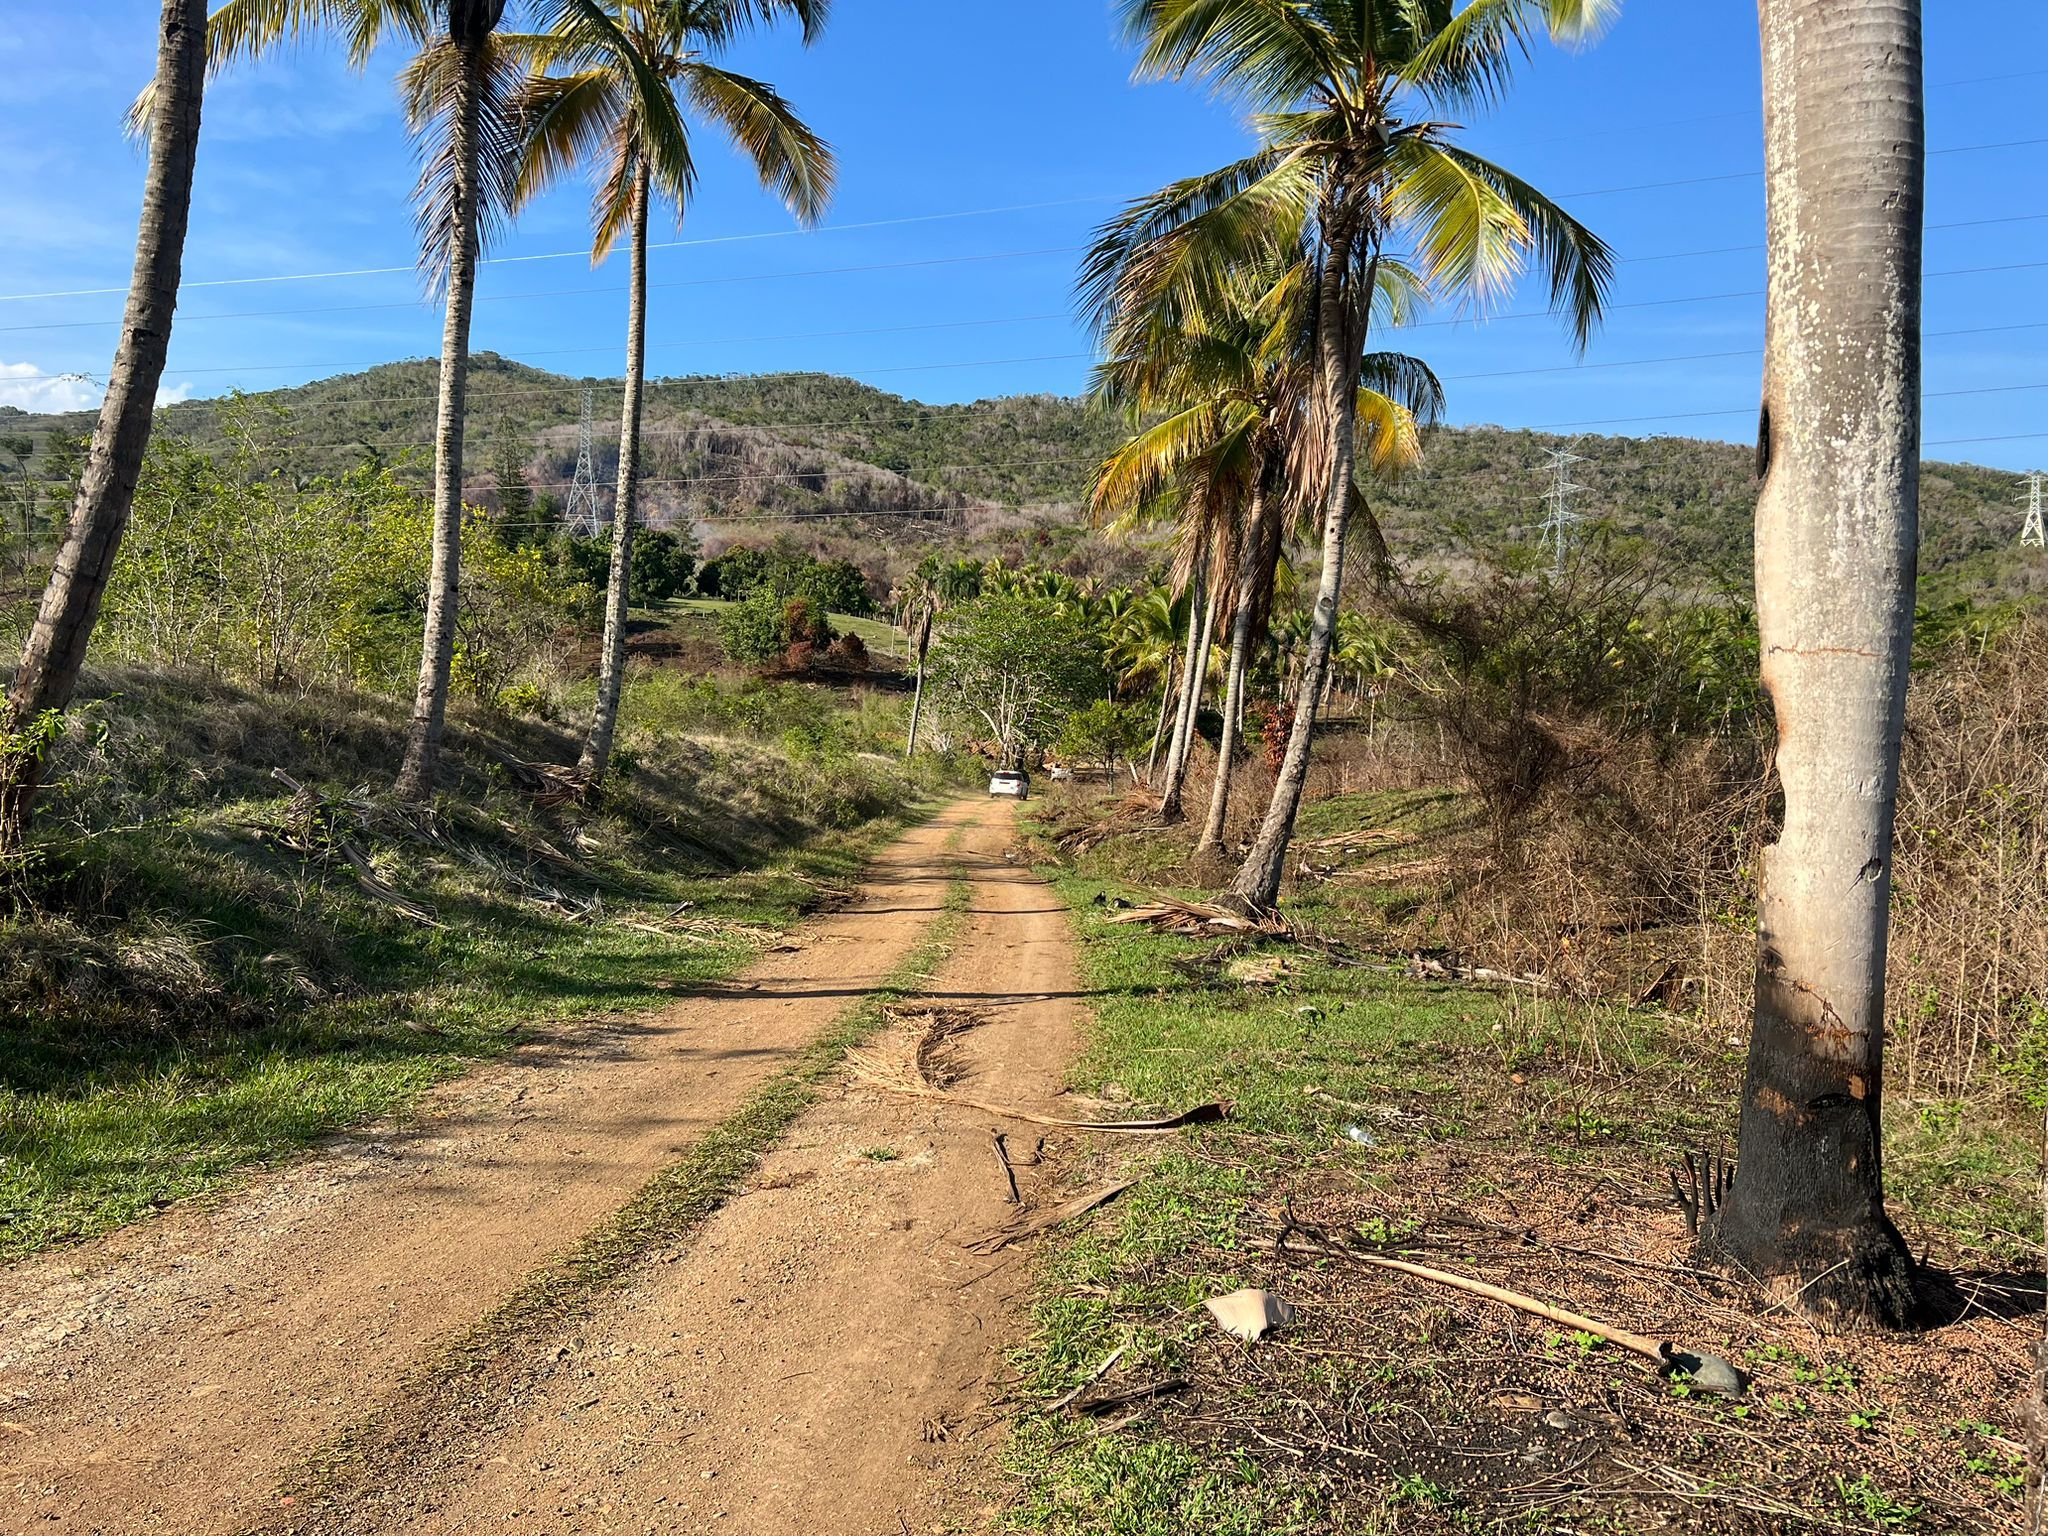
x=290, y=277
x=757, y=277
x=655, y=245
x=1472, y=320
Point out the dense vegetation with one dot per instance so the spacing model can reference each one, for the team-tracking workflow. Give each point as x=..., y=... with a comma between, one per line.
x=794, y=445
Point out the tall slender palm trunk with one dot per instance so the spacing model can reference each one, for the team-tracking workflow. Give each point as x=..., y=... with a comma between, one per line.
x=444, y=583
x=1180, y=751
x=924, y=645
x=611, y=673
x=1233, y=680
x=55, y=653
x=1339, y=338
x=1166, y=697
x=1836, y=543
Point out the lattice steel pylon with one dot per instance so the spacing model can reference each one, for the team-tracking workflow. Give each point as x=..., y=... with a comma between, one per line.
x=582, y=513
x=1561, y=519
x=2032, y=534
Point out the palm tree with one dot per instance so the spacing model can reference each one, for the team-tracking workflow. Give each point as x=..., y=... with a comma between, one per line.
x=614, y=72
x=1330, y=82
x=929, y=591
x=48, y=676
x=1143, y=646
x=1227, y=370
x=1836, y=536
x=457, y=89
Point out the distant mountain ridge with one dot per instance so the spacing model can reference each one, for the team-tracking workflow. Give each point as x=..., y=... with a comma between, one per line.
x=736, y=453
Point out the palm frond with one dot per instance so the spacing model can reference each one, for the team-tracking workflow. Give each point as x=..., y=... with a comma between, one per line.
x=1270, y=53
x=246, y=29
x=1469, y=59
x=1406, y=380
x=563, y=121
x=1577, y=264
x=443, y=86
x=792, y=161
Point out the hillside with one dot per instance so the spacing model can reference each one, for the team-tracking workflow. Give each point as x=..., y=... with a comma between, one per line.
x=721, y=449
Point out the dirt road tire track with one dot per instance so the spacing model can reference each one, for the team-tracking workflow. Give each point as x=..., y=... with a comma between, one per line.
x=170, y=1377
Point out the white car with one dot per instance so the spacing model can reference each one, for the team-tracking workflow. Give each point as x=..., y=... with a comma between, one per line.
x=1015, y=785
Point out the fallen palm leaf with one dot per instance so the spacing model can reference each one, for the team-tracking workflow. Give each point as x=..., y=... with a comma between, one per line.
x=929, y=1070
x=1017, y=1230
x=1202, y=917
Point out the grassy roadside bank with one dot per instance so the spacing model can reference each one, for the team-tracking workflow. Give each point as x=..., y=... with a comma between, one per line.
x=1512, y=1139
x=194, y=979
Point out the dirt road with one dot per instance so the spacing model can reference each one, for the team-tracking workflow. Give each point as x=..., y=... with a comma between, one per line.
x=815, y=1357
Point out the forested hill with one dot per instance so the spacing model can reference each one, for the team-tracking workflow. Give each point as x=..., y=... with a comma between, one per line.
x=718, y=448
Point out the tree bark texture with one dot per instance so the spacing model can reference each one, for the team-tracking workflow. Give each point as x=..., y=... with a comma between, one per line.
x=1190, y=686
x=1338, y=342
x=56, y=648
x=444, y=584
x=1836, y=543
x=611, y=674
x=1244, y=600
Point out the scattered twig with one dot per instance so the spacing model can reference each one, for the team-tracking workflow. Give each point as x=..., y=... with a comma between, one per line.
x=1108, y=1364
x=1009, y=1173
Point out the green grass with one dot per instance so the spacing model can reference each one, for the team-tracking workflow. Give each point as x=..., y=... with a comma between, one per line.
x=878, y=635
x=1590, y=1089
x=180, y=1000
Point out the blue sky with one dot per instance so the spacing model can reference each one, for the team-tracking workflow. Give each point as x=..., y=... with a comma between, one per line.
x=1024, y=119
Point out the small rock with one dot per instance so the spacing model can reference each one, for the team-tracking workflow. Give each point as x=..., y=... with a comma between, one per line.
x=1559, y=1420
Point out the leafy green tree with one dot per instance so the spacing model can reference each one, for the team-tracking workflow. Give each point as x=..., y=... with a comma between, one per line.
x=620, y=79
x=458, y=91
x=1219, y=379
x=839, y=585
x=1015, y=666
x=1331, y=82
x=933, y=587
x=1104, y=731
x=517, y=523
x=663, y=562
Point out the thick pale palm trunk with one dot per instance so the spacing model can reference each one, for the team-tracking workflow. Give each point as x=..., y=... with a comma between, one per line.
x=1233, y=679
x=611, y=672
x=444, y=583
x=1257, y=883
x=1836, y=540
x=56, y=648
x=1181, y=750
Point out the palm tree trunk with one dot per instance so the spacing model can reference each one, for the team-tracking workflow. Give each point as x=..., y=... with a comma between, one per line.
x=611, y=674
x=1182, y=749
x=1187, y=676
x=444, y=584
x=924, y=644
x=1233, y=681
x=1166, y=694
x=1836, y=541
x=55, y=653
x=1338, y=344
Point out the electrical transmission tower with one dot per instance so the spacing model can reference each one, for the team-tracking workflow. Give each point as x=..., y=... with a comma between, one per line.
x=1561, y=519
x=2032, y=534
x=582, y=513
